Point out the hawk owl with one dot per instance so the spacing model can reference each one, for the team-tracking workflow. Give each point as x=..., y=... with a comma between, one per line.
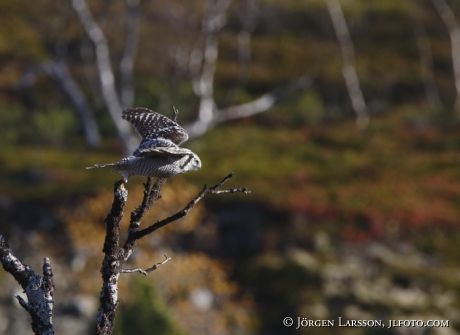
x=158, y=154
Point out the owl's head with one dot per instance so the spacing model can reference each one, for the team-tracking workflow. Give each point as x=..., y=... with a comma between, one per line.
x=191, y=162
x=195, y=163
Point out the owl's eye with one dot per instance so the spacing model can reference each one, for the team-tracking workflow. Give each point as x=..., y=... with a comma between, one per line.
x=195, y=161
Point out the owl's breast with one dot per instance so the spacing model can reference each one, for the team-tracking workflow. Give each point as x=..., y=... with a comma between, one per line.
x=160, y=167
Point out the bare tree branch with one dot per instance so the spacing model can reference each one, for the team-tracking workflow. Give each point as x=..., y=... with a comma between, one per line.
x=22, y=302
x=114, y=259
x=60, y=74
x=106, y=74
x=348, y=58
x=151, y=194
x=259, y=105
x=147, y=271
x=127, y=60
x=39, y=290
x=175, y=114
x=211, y=190
x=448, y=17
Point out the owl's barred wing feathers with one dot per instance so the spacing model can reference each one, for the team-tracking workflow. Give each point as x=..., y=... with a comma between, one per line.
x=164, y=151
x=153, y=126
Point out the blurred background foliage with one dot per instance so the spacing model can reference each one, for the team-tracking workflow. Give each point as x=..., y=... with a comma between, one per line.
x=341, y=222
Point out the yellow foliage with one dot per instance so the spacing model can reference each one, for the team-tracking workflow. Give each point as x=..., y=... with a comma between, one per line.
x=85, y=223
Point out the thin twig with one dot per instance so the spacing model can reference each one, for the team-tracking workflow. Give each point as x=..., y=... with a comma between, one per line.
x=175, y=114
x=22, y=302
x=147, y=271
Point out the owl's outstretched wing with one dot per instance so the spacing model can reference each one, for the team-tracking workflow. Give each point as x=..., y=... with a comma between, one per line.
x=154, y=128
x=163, y=151
x=148, y=143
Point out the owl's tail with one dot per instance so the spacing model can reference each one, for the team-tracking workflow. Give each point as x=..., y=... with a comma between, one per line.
x=100, y=166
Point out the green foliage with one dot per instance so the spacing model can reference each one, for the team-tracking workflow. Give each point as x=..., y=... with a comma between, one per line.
x=10, y=118
x=52, y=126
x=146, y=314
x=308, y=110
x=396, y=170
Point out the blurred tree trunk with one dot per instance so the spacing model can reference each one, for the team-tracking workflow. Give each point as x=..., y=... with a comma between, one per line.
x=426, y=65
x=111, y=98
x=202, y=65
x=127, y=60
x=448, y=17
x=348, y=58
x=244, y=48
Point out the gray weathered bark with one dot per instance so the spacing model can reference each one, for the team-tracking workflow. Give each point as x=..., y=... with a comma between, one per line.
x=39, y=290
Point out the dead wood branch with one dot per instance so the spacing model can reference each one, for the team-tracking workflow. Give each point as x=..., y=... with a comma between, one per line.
x=147, y=271
x=206, y=190
x=115, y=258
x=39, y=290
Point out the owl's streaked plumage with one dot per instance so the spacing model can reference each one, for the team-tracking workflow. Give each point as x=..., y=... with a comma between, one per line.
x=158, y=154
